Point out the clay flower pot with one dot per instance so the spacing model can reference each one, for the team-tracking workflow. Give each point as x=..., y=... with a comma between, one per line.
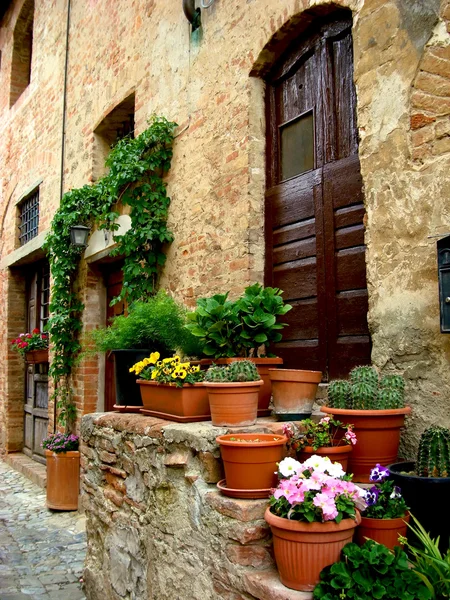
x=338, y=454
x=294, y=392
x=233, y=403
x=378, y=433
x=302, y=550
x=383, y=531
x=265, y=391
x=63, y=479
x=250, y=459
x=182, y=404
x=37, y=356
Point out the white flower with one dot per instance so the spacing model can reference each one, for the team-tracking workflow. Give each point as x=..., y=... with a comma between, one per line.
x=318, y=463
x=335, y=470
x=288, y=466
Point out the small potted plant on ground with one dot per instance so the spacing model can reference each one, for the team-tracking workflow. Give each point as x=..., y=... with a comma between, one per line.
x=250, y=462
x=63, y=470
x=329, y=437
x=242, y=329
x=158, y=323
x=32, y=346
x=312, y=515
x=233, y=393
x=386, y=516
x=172, y=389
x=425, y=484
x=371, y=571
x=376, y=407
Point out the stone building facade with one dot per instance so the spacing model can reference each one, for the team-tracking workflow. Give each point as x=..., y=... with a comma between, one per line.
x=71, y=70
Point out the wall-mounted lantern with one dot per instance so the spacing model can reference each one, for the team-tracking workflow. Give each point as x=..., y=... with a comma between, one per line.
x=79, y=235
x=443, y=251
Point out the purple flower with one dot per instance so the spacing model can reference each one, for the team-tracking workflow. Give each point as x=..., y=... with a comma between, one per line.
x=371, y=496
x=396, y=493
x=379, y=473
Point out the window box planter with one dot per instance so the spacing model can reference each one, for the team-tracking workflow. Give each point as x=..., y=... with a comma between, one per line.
x=37, y=356
x=182, y=404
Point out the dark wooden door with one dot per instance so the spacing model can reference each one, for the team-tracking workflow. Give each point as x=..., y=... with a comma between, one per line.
x=36, y=382
x=113, y=282
x=314, y=202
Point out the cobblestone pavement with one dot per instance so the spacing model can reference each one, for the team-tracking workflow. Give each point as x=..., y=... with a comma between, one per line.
x=41, y=551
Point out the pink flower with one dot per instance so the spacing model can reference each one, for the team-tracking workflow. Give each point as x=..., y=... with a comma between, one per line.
x=350, y=436
x=324, y=420
x=328, y=506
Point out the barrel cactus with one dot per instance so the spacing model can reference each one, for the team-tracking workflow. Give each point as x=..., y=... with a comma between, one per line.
x=363, y=396
x=338, y=394
x=217, y=374
x=433, y=459
x=243, y=370
x=366, y=375
x=388, y=398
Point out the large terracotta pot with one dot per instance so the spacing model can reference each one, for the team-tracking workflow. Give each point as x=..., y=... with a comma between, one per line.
x=234, y=403
x=37, y=356
x=182, y=404
x=428, y=499
x=294, y=392
x=63, y=479
x=251, y=464
x=383, y=531
x=378, y=433
x=302, y=550
x=338, y=454
x=265, y=391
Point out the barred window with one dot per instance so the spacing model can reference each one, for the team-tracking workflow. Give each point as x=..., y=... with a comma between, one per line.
x=29, y=218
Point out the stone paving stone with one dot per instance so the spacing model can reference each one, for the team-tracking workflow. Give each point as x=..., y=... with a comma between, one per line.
x=41, y=552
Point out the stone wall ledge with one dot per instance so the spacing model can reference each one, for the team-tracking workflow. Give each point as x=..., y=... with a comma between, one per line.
x=266, y=585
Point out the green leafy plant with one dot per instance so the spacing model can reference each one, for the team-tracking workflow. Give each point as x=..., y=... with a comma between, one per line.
x=26, y=342
x=158, y=323
x=135, y=177
x=428, y=562
x=237, y=371
x=324, y=434
x=168, y=370
x=227, y=329
x=368, y=572
x=365, y=391
x=433, y=458
x=384, y=499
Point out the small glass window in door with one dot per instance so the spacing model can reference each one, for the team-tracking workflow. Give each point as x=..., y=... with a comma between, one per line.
x=297, y=146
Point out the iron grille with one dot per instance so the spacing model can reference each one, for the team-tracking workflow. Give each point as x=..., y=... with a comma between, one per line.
x=29, y=218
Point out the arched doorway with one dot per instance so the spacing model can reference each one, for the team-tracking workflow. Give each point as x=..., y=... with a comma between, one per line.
x=314, y=226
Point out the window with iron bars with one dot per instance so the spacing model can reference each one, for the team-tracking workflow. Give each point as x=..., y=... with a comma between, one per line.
x=29, y=218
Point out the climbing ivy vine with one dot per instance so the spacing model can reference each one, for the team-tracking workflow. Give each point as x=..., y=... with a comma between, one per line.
x=135, y=177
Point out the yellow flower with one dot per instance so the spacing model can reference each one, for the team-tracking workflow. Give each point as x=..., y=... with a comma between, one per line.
x=154, y=374
x=167, y=360
x=154, y=357
x=182, y=374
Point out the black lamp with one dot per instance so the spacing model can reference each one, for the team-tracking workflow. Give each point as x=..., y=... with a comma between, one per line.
x=79, y=235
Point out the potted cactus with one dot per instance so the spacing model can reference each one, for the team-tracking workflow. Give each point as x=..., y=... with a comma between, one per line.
x=233, y=393
x=376, y=408
x=425, y=484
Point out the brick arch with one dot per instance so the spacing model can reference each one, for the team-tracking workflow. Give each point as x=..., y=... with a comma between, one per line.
x=430, y=98
x=22, y=52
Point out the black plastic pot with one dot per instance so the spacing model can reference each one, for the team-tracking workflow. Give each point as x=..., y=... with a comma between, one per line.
x=428, y=499
x=128, y=392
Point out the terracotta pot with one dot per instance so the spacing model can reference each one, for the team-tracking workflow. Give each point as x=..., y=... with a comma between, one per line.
x=265, y=391
x=378, y=433
x=338, y=454
x=294, y=392
x=302, y=550
x=63, y=479
x=383, y=531
x=37, y=356
x=233, y=404
x=251, y=465
x=182, y=404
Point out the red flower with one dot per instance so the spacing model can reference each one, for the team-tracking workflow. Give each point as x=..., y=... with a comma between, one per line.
x=35, y=331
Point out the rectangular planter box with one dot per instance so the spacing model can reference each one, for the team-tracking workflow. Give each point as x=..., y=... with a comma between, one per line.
x=37, y=356
x=182, y=404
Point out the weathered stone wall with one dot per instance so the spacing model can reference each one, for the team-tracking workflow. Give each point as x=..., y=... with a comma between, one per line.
x=401, y=56
x=157, y=525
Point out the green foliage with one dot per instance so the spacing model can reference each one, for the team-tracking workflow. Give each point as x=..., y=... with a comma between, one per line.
x=235, y=372
x=433, y=458
x=158, y=323
x=239, y=328
x=386, y=501
x=428, y=562
x=324, y=434
x=368, y=572
x=169, y=370
x=339, y=394
x=136, y=167
x=365, y=391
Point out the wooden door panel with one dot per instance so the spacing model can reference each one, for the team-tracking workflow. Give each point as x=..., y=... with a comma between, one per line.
x=293, y=201
x=297, y=279
x=349, y=216
x=40, y=432
x=305, y=353
x=295, y=251
x=28, y=430
x=296, y=231
x=347, y=237
x=350, y=269
x=352, y=309
x=302, y=321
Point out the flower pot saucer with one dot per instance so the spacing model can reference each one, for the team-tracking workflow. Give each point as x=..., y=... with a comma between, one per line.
x=124, y=408
x=244, y=494
x=292, y=416
x=176, y=418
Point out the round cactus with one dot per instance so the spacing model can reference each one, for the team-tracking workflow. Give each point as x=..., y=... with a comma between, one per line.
x=363, y=395
x=433, y=459
x=338, y=394
x=216, y=374
x=389, y=398
x=367, y=375
x=243, y=370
